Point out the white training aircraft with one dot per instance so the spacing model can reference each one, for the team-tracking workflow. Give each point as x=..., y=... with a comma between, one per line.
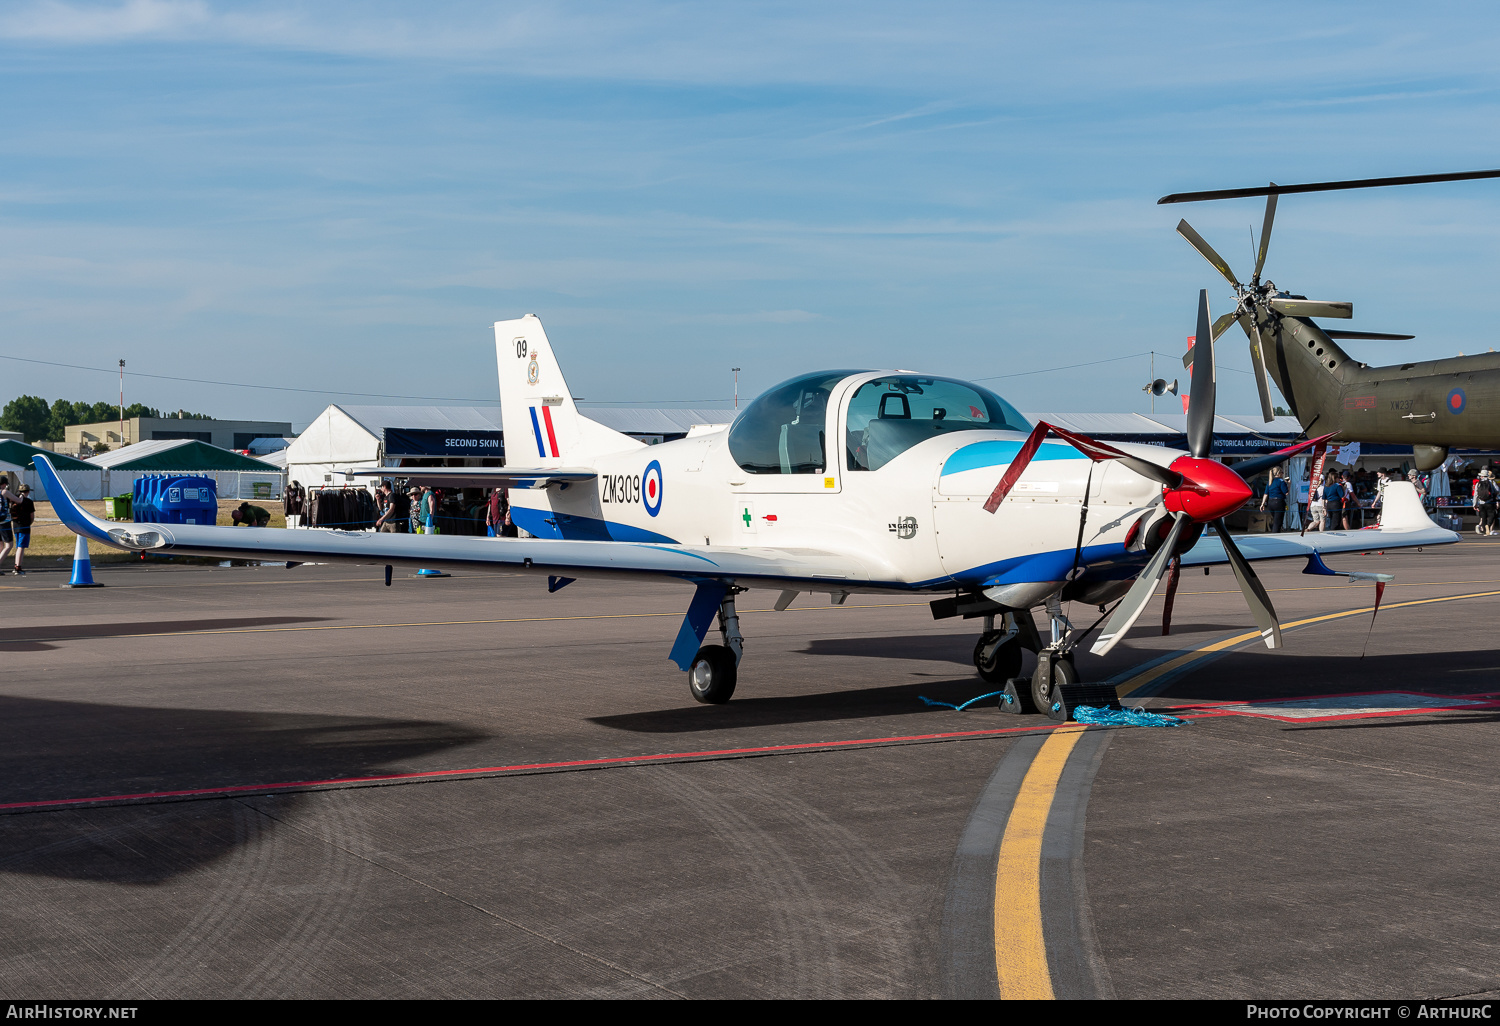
x=837, y=482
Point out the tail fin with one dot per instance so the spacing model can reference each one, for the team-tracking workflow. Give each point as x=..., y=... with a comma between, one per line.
x=1401, y=510
x=543, y=427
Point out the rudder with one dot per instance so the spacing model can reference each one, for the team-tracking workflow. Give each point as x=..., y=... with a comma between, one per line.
x=541, y=422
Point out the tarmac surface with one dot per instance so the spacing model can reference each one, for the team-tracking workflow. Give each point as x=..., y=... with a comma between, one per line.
x=301, y=783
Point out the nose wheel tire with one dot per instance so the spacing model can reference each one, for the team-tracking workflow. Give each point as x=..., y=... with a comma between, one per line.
x=1063, y=672
x=1003, y=663
x=712, y=676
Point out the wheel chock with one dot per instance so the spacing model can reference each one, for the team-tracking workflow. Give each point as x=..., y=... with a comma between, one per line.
x=1067, y=697
x=1015, y=700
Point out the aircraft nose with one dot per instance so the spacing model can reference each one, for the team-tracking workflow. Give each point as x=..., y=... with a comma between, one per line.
x=1209, y=491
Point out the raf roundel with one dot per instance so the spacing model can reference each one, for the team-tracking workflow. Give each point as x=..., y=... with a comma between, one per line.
x=651, y=488
x=1457, y=400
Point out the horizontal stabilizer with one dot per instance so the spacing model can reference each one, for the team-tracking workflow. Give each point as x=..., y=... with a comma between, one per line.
x=1374, y=336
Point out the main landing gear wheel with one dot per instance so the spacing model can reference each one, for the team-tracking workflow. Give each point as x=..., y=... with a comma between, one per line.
x=712, y=675
x=1003, y=663
x=1063, y=672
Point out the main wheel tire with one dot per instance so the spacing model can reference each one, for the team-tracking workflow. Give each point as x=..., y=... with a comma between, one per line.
x=1063, y=672
x=712, y=676
x=1003, y=664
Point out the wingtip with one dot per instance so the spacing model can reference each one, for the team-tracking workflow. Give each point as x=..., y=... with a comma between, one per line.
x=74, y=517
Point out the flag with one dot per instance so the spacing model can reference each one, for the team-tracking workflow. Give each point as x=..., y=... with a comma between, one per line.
x=1185, y=399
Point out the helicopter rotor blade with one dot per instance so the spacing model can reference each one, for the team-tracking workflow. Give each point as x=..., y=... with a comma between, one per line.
x=1258, y=362
x=1200, y=414
x=1209, y=253
x=1220, y=326
x=1265, y=235
x=1310, y=307
x=1356, y=183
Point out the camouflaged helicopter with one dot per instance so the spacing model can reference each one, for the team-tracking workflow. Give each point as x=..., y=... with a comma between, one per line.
x=1431, y=405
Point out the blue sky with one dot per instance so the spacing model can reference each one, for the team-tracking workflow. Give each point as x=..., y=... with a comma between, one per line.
x=344, y=196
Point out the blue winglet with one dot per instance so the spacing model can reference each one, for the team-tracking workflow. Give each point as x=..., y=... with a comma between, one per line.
x=556, y=583
x=72, y=515
x=1315, y=565
x=695, y=625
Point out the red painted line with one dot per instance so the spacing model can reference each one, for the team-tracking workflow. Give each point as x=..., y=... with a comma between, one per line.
x=551, y=435
x=810, y=746
x=1481, y=701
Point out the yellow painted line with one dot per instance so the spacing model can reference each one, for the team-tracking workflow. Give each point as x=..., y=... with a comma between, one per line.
x=426, y=623
x=1141, y=680
x=1020, y=949
x=1347, y=584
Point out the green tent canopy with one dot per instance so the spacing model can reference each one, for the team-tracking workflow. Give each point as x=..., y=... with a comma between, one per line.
x=186, y=454
x=19, y=454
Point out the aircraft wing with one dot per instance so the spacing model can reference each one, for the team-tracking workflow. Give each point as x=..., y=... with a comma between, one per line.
x=801, y=569
x=1404, y=524
x=479, y=477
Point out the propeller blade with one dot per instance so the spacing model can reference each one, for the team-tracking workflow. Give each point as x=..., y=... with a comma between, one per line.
x=1377, y=336
x=1171, y=594
x=1200, y=418
x=1201, y=245
x=1220, y=326
x=1255, y=592
x=1265, y=235
x=1249, y=468
x=1094, y=450
x=1130, y=607
x=1258, y=364
x=1310, y=307
x=1017, y=466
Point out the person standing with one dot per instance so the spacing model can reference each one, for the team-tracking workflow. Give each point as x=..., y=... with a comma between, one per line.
x=383, y=504
x=1416, y=481
x=398, y=517
x=22, y=513
x=1274, y=500
x=1317, y=512
x=1486, y=496
x=7, y=530
x=1333, y=503
x=499, y=508
x=428, y=509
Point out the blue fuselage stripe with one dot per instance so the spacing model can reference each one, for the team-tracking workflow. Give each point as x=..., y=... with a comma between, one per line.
x=1002, y=453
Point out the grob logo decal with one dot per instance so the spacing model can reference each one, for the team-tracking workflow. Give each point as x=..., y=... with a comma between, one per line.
x=651, y=485
x=904, y=528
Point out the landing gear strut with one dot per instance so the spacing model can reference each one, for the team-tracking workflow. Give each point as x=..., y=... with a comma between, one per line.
x=1054, y=664
x=715, y=669
x=997, y=655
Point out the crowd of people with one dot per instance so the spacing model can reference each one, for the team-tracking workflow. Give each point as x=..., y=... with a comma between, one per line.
x=423, y=509
x=1338, y=502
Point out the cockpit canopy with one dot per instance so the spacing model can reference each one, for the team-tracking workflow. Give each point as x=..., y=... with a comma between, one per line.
x=889, y=415
x=783, y=431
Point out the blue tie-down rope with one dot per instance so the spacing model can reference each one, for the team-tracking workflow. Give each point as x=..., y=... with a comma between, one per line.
x=1136, y=717
x=961, y=708
x=1087, y=714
